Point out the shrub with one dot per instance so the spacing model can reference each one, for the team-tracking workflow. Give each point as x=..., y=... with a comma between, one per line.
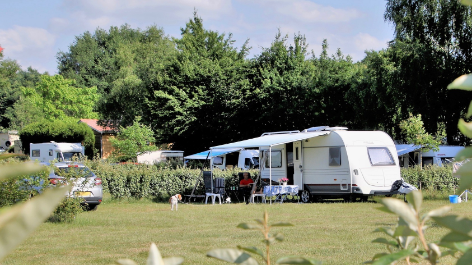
x=430, y=177
x=59, y=131
x=21, y=188
x=153, y=181
x=66, y=210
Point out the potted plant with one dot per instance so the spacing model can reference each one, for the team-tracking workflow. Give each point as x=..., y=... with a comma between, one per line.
x=283, y=181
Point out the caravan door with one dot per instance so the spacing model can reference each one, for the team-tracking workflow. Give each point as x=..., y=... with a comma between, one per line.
x=297, y=164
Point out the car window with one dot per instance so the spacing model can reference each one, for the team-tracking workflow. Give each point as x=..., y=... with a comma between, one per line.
x=81, y=171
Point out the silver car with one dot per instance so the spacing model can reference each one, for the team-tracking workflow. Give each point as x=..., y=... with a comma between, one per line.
x=86, y=184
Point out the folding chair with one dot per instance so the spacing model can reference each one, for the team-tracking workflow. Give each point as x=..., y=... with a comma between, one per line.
x=209, y=191
x=220, y=187
x=253, y=194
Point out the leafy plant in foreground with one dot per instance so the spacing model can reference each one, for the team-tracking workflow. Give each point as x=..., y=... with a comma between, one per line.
x=242, y=256
x=17, y=222
x=154, y=258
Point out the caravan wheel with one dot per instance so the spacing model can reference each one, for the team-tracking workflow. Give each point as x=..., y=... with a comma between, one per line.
x=305, y=196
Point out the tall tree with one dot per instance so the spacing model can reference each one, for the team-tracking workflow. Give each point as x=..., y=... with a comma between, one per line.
x=58, y=98
x=194, y=102
x=432, y=45
x=123, y=63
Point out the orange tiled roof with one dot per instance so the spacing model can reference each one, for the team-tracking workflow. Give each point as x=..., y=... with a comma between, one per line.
x=93, y=123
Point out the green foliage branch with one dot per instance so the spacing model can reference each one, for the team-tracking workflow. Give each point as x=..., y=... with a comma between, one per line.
x=242, y=255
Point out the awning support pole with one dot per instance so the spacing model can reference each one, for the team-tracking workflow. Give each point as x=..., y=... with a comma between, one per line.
x=270, y=170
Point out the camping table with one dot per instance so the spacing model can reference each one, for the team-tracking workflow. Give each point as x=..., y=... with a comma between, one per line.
x=281, y=191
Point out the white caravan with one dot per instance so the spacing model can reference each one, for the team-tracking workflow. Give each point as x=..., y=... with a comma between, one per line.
x=408, y=155
x=229, y=158
x=46, y=152
x=328, y=162
x=160, y=156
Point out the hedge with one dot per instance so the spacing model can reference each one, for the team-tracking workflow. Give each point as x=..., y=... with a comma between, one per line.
x=430, y=177
x=154, y=181
x=161, y=182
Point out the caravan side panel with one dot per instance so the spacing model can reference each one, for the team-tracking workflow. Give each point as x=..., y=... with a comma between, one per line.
x=326, y=165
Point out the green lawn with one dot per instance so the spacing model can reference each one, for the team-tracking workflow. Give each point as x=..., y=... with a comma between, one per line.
x=335, y=233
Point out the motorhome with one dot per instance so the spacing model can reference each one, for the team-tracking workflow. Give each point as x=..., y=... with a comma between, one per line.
x=328, y=162
x=229, y=158
x=155, y=157
x=408, y=155
x=46, y=152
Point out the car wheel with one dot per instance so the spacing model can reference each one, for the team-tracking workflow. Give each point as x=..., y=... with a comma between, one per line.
x=92, y=207
x=305, y=196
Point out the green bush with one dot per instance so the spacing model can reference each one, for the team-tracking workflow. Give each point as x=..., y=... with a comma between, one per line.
x=66, y=210
x=154, y=181
x=21, y=188
x=430, y=177
x=59, y=131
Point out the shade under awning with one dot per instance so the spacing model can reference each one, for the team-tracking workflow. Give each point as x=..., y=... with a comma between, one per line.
x=219, y=152
x=271, y=140
x=406, y=148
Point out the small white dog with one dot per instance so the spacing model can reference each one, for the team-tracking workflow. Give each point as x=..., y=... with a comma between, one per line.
x=174, y=200
x=228, y=200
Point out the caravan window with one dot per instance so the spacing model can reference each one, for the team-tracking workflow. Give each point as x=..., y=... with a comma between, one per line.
x=276, y=159
x=35, y=153
x=217, y=160
x=335, y=156
x=380, y=156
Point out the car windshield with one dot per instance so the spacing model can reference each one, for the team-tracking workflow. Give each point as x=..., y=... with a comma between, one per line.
x=69, y=155
x=76, y=171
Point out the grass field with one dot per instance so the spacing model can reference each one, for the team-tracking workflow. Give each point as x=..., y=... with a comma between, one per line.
x=333, y=232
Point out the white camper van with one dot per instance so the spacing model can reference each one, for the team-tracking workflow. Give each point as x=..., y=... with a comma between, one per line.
x=328, y=162
x=408, y=155
x=46, y=152
x=229, y=158
x=160, y=156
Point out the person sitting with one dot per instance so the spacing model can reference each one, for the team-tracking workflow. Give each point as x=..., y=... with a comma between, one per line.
x=245, y=185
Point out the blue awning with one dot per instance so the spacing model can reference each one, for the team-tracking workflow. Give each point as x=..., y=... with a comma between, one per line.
x=219, y=152
x=406, y=148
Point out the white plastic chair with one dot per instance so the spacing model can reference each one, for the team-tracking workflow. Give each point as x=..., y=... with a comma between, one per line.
x=208, y=181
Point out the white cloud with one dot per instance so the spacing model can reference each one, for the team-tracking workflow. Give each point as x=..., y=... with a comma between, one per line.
x=364, y=41
x=28, y=46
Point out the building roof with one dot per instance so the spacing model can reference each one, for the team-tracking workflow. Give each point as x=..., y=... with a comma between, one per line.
x=96, y=125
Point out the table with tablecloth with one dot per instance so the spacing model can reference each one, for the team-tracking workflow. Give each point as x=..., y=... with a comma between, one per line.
x=280, y=191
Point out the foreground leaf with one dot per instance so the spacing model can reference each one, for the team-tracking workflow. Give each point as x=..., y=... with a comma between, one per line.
x=173, y=261
x=154, y=257
x=390, y=258
x=382, y=240
x=466, y=2
x=252, y=250
x=415, y=198
x=465, y=259
x=455, y=237
x=281, y=224
x=297, y=260
x=19, y=169
x=126, y=262
x=437, y=212
x=401, y=209
x=465, y=128
x=464, y=154
x=463, y=82
x=19, y=221
x=249, y=226
x=457, y=224
x=232, y=255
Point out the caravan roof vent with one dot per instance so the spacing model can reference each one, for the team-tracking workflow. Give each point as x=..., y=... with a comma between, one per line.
x=282, y=132
x=336, y=129
x=316, y=129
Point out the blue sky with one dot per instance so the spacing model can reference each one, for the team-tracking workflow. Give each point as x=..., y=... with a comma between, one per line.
x=32, y=32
